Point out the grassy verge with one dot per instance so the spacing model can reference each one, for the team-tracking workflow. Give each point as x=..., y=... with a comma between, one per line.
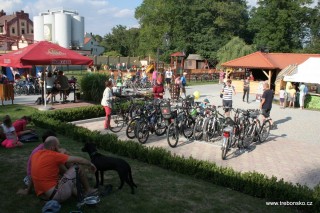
x=158, y=190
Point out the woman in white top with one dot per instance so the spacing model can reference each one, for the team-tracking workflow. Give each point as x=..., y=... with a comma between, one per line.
x=106, y=102
x=50, y=80
x=11, y=140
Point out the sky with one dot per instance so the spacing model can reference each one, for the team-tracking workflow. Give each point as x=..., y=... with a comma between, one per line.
x=100, y=15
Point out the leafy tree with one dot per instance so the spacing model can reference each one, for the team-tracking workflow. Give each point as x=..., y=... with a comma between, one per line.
x=280, y=25
x=194, y=26
x=235, y=48
x=122, y=40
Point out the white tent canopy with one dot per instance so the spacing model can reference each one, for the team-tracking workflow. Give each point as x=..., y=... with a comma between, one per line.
x=307, y=72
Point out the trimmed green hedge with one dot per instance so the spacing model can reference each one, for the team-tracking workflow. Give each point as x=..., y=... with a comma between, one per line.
x=251, y=183
x=312, y=102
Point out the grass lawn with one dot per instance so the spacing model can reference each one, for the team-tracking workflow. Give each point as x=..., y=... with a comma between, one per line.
x=158, y=190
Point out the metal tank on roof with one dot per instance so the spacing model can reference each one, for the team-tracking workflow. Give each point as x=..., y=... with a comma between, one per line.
x=63, y=29
x=38, y=28
x=77, y=37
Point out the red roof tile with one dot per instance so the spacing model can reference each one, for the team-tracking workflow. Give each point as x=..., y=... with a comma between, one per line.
x=86, y=40
x=259, y=60
x=178, y=54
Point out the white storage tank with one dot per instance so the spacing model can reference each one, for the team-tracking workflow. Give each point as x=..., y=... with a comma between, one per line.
x=49, y=28
x=77, y=37
x=38, y=28
x=63, y=29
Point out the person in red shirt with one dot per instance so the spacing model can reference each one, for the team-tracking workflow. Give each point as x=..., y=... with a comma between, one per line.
x=158, y=89
x=21, y=124
x=45, y=169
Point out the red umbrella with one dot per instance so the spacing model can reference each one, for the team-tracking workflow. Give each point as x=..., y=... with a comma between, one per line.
x=43, y=53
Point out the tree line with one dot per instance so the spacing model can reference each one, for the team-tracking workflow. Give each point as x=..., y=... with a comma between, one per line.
x=218, y=30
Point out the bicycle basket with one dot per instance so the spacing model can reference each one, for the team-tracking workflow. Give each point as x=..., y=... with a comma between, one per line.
x=165, y=110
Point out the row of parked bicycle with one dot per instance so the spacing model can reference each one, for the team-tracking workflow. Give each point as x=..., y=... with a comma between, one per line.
x=26, y=88
x=186, y=118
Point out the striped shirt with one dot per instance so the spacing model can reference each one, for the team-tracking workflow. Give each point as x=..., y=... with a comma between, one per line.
x=227, y=92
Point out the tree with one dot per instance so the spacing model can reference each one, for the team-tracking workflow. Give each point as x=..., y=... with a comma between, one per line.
x=280, y=25
x=122, y=40
x=194, y=26
x=235, y=48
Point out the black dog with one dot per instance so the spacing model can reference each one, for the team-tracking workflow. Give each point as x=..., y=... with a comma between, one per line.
x=104, y=163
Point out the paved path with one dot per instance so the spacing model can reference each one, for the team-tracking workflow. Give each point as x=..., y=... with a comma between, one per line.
x=291, y=152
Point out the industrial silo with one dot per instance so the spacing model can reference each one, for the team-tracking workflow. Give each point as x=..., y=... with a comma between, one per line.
x=49, y=27
x=77, y=37
x=38, y=28
x=63, y=29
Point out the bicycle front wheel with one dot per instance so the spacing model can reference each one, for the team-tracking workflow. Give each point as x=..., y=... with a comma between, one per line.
x=225, y=147
x=264, y=131
x=130, y=131
x=142, y=132
x=188, y=127
x=198, y=129
x=172, y=135
x=117, y=123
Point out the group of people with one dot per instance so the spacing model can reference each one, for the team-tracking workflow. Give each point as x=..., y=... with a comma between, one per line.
x=11, y=132
x=228, y=90
x=288, y=95
x=55, y=82
x=50, y=169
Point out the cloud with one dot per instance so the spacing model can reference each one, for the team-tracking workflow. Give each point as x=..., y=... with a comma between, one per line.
x=124, y=13
x=98, y=3
x=10, y=6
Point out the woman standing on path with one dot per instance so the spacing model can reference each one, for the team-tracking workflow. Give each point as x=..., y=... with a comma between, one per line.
x=106, y=102
x=246, y=88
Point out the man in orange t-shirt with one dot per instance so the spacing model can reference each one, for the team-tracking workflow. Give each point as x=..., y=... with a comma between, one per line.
x=45, y=167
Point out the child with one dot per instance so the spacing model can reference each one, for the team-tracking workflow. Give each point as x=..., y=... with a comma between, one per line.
x=282, y=94
x=11, y=140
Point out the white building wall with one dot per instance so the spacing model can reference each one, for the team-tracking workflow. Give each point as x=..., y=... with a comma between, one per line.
x=49, y=28
x=63, y=29
x=77, y=37
x=38, y=28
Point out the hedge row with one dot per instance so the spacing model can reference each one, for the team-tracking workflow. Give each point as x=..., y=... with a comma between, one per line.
x=251, y=183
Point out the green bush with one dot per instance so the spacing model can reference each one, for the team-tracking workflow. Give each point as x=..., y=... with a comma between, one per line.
x=251, y=183
x=92, y=86
x=312, y=102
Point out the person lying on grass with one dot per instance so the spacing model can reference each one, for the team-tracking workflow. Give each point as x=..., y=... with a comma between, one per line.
x=45, y=167
x=20, y=126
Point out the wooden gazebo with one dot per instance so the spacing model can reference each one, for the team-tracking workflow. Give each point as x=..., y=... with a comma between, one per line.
x=177, y=62
x=263, y=66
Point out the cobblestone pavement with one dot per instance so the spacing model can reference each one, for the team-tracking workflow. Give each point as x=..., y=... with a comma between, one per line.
x=291, y=152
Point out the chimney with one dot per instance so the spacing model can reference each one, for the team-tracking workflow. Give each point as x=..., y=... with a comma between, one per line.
x=2, y=13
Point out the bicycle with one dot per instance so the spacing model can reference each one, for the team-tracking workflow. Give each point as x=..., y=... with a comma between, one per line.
x=183, y=124
x=123, y=116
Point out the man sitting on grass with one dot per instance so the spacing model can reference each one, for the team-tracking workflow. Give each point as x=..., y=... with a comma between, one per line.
x=45, y=165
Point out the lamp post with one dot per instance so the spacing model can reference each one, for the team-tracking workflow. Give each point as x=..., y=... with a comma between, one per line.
x=166, y=42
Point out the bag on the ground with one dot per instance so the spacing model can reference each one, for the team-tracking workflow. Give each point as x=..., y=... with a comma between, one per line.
x=29, y=137
x=38, y=101
x=221, y=95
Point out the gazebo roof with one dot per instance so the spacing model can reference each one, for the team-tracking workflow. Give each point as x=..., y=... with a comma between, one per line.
x=259, y=60
x=178, y=54
x=194, y=57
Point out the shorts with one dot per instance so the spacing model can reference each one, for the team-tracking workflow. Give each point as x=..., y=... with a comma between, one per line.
x=227, y=103
x=265, y=112
x=168, y=80
x=281, y=100
x=183, y=89
x=291, y=99
x=66, y=186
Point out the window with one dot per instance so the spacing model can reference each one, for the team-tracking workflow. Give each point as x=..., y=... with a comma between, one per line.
x=31, y=30
x=1, y=29
x=22, y=24
x=13, y=31
x=22, y=31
